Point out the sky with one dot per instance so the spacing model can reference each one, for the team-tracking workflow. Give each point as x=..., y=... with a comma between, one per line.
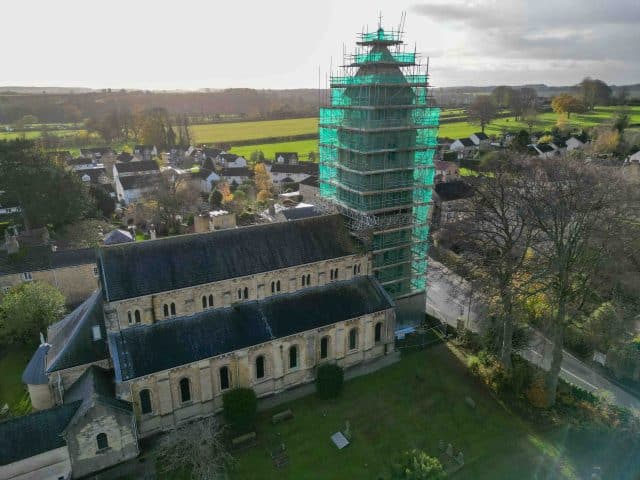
x=193, y=44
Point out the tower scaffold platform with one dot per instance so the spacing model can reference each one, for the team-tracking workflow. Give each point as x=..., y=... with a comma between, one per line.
x=378, y=136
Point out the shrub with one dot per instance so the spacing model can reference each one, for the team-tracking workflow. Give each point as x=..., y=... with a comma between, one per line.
x=537, y=394
x=239, y=409
x=329, y=381
x=417, y=465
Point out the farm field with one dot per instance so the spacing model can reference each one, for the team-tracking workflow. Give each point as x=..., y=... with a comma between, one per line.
x=303, y=147
x=229, y=132
x=36, y=133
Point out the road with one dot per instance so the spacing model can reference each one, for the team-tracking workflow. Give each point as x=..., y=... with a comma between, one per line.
x=449, y=297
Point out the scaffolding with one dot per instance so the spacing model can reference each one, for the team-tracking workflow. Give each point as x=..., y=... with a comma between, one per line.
x=377, y=140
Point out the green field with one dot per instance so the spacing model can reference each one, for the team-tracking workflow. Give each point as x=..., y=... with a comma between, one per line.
x=303, y=147
x=13, y=360
x=416, y=403
x=229, y=132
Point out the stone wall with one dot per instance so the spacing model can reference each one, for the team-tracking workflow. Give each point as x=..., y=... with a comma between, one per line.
x=204, y=376
x=122, y=314
x=81, y=436
x=76, y=283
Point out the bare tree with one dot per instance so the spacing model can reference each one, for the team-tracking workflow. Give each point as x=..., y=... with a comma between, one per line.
x=197, y=448
x=574, y=206
x=482, y=111
x=495, y=235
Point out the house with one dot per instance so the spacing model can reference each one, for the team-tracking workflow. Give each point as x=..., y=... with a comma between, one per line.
x=204, y=179
x=125, y=157
x=574, y=143
x=131, y=188
x=214, y=220
x=83, y=163
x=235, y=175
x=480, y=139
x=464, y=147
x=98, y=154
x=297, y=172
x=445, y=171
x=117, y=236
x=309, y=188
x=95, y=176
x=288, y=158
x=73, y=272
x=543, y=150
x=142, y=167
x=145, y=152
x=231, y=160
x=175, y=156
x=447, y=200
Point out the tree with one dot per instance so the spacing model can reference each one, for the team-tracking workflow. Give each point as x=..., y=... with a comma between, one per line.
x=594, y=92
x=570, y=204
x=496, y=236
x=215, y=199
x=621, y=121
x=256, y=157
x=417, y=465
x=239, y=407
x=28, y=309
x=263, y=196
x=175, y=199
x=312, y=156
x=566, y=104
x=48, y=193
x=262, y=178
x=521, y=141
x=502, y=96
x=197, y=448
x=607, y=140
x=482, y=111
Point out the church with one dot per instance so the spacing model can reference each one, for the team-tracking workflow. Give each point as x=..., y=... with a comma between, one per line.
x=176, y=322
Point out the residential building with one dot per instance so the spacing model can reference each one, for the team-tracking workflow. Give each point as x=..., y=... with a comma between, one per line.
x=205, y=179
x=131, y=188
x=288, y=158
x=214, y=220
x=235, y=175
x=309, y=189
x=464, y=147
x=292, y=172
x=480, y=139
x=145, y=152
x=446, y=171
x=231, y=160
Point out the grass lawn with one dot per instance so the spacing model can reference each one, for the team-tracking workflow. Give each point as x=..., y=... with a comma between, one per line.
x=227, y=132
x=303, y=147
x=13, y=360
x=415, y=404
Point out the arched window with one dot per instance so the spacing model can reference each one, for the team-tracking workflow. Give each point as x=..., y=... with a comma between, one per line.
x=273, y=287
x=260, y=367
x=204, y=301
x=359, y=268
x=224, y=378
x=293, y=356
x=137, y=315
x=278, y=285
x=353, y=339
x=211, y=300
x=129, y=317
x=246, y=292
x=185, y=390
x=378, y=332
x=239, y=294
x=324, y=347
x=308, y=279
x=335, y=274
x=304, y=280
x=145, y=401
x=355, y=269
x=331, y=274
x=173, y=308
x=165, y=310
x=102, y=441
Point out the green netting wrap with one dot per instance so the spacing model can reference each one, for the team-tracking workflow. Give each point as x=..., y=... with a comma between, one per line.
x=377, y=144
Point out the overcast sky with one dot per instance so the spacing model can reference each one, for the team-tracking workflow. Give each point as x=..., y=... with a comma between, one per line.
x=191, y=44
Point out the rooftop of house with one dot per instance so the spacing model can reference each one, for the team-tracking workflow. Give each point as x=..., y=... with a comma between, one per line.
x=29, y=435
x=42, y=257
x=34, y=373
x=481, y=136
x=310, y=181
x=142, y=349
x=95, y=385
x=236, y=172
x=124, y=157
x=456, y=190
x=309, y=168
x=136, y=269
x=141, y=166
x=467, y=142
x=228, y=157
x=202, y=173
x=93, y=174
x=286, y=157
x=71, y=338
x=139, y=181
x=306, y=211
x=117, y=236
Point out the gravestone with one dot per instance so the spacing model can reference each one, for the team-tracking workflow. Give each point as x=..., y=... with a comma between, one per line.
x=339, y=440
x=460, y=458
x=450, y=450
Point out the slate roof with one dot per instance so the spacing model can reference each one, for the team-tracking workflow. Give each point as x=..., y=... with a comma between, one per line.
x=29, y=435
x=236, y=172
x=117, y=236
x=139, y=181
x=144, y=349
x=95, y=384
x=71, y=338
x=93, y=173
x=287, y=157
x=456, y=190
x=302, y=212
x=545, y=147
x=141, y=166
x=212, y=152
x=310, y=168
x=124, y=157
x=228, y=157
x=202, y=173
x=136, y=269
x=467, y=142
x=34, y=372
x=41, y=257
x=310, y=181
x=481, y=136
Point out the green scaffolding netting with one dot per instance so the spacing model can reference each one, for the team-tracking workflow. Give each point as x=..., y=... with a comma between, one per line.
x=371, y=79
x=380, y=34
x=379, y=96
x=405, y=58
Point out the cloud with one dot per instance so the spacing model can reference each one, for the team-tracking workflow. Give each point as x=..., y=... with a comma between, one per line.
x=552, y=30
